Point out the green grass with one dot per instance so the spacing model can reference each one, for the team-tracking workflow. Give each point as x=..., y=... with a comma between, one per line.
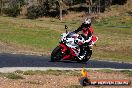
x=105, y=70
x=70, y=72
x=39, y=38
x=115, y=43
x=42, y=35
x=128, y=72
x=11, y=76
x=50, y=72
x=115, y=21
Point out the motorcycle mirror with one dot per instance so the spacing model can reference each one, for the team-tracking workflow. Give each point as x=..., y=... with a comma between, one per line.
x=66, y=27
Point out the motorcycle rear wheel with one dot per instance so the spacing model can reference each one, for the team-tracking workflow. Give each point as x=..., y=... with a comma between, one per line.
x=56, y=54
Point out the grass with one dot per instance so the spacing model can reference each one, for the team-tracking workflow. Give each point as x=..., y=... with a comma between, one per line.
x=42, y=35
x=106, y=70
x=37, y=38
x=11, y=76
x=50, y=72
x=114, y=43
x=128, y=72
x=70, y=72
x=18, y=74
x=114, y=39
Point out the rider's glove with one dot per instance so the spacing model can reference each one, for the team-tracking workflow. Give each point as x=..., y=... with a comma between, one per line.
x=87, y=41
x=80, y=37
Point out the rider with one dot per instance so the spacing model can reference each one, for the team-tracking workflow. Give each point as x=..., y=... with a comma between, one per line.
x=87, y=34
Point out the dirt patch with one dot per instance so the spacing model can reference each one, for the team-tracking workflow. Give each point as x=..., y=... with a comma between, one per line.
x=37, y=81
x=60, y=81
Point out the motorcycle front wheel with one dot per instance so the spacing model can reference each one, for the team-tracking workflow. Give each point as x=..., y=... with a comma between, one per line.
x=56, y=54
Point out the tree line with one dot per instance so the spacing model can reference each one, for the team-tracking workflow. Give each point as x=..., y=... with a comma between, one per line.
x=39, y=8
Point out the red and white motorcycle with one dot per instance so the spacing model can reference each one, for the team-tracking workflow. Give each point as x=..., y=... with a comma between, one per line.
x=69, y=49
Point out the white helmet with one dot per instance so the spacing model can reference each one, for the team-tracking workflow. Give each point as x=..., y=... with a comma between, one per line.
x=87, y=21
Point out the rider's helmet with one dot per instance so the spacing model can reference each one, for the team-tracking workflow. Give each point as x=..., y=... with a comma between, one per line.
x=86, y=23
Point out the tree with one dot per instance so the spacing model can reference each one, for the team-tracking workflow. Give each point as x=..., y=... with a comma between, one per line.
x=40, y=2
x=14, y=7
x=1, y=6
x=60, y=5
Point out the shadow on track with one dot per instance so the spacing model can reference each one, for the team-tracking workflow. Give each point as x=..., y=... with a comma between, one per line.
x=11, y=60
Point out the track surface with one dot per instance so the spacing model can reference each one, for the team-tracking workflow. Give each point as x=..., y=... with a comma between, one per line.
x=13, y=60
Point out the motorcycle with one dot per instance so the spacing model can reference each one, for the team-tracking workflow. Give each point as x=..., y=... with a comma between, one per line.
x=69, y=49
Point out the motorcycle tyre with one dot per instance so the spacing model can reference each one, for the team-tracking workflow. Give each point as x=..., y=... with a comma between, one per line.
x=55, y=52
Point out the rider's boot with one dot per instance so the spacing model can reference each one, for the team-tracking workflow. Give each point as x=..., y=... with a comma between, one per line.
x=82, y=55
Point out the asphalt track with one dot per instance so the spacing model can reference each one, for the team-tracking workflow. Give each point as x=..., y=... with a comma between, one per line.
x=14, y=60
